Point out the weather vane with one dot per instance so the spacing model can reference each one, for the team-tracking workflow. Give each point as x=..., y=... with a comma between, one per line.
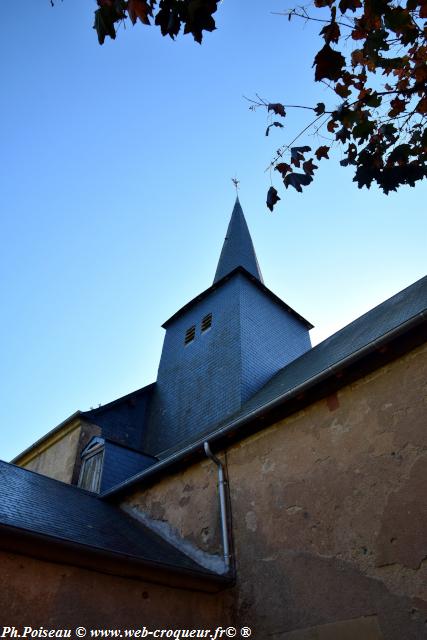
x=236, y=183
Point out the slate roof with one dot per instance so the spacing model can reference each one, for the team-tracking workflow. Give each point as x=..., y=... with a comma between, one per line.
x=400, y=312
x=261, y=286
x=123, y=420
x=238, y=249
x=40, y=505
x=363, y=331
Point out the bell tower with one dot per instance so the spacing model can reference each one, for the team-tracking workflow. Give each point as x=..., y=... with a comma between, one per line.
x=222, y=346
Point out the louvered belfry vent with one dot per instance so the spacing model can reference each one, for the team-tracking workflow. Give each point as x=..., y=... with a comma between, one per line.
x=207, y=322
x=190, y=334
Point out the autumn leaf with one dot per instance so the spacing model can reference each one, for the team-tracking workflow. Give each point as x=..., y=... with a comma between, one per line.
x=272, y=198
x=388, y=130
x=297, y=180
x=420, y=72
x=381, y=83
x=297, y=153
x=422, y=105
x=370, y=98
x=358, y=57
x=309, y=168
x=105, y=17
x=343, y=134
x=319, y=108
x=283, y=168
x=397, y=19
x=322, y=152
x=328, y=63
x=139, y=9
x=273, y=124
x=363, y=130
x=169, y=21
x=397, y=106
x=342, y=90
x=277, y=108
x=197, y=17
x=344, y=5
x=331, y=32
x=359, y=32
x=400, y=154
x=351, y=155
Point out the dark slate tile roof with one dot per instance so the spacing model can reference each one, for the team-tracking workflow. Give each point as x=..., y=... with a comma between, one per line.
x=38, y=504
x=357, y=335
x=369, y=327
x=238, y=249
x=123, y=420
x=221, y=283
x=121, y=463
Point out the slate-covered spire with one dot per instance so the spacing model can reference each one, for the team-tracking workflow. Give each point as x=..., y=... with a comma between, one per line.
x=237, y=250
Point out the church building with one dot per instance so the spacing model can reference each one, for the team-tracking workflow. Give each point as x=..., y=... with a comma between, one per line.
x=258, y=483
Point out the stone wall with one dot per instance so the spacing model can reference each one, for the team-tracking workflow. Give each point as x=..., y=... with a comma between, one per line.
x=329, y=513
x=57, y=461
x=59, y=456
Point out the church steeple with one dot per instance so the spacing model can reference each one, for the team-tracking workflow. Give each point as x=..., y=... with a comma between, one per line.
x=221, y=347
x=238, y=249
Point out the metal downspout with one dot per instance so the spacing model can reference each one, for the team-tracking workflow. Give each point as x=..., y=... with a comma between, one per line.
x=222, y=505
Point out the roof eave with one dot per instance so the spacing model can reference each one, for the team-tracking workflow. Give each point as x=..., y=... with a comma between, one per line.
x=57, y=550
x=225, y=279
x=127, y=397
x=25, y=456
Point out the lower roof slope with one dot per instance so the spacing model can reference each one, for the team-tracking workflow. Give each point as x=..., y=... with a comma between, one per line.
x=41, y=506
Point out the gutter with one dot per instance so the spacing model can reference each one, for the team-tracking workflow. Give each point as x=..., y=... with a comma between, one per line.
x=197, y=448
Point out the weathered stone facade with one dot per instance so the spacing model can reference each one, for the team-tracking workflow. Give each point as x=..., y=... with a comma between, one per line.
x=328, y=509
x=36, y=593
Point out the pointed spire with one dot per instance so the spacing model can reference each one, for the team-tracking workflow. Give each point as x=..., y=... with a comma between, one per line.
x=237, y=250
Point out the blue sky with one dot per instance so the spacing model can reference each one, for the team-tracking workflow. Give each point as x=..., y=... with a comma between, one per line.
x=115, y=195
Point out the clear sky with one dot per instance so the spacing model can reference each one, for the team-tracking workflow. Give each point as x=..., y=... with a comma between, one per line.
x=115, y=195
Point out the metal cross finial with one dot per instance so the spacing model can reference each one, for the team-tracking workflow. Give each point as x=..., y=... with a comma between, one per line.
x=236, y=183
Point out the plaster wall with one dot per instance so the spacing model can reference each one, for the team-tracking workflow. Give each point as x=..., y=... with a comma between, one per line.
x=329, y=513
x=61, y=459
x=37, y=593
x=57, y=461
